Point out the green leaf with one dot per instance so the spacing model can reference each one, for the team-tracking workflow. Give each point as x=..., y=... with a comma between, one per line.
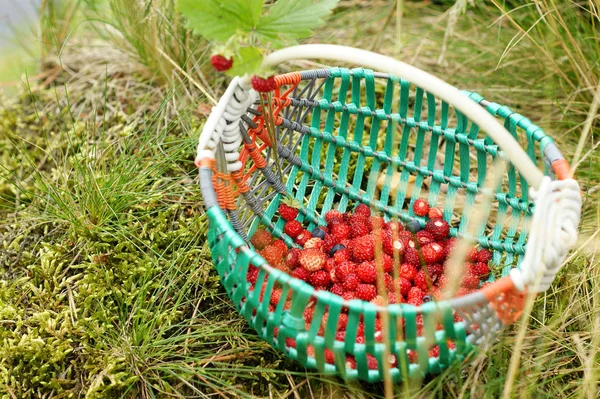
x=294, y=19
x=220, y=20
x=246, y=61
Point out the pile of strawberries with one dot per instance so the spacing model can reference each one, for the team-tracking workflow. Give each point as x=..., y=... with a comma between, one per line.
x=361, y=256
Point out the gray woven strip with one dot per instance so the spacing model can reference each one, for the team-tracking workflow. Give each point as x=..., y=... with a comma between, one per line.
x=273, y=179
x=315, y=74
x=234, y=219
x=253, y=203
x=206, y=186
x=552, y=153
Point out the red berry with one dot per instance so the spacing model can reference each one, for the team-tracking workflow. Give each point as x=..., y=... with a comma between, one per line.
x=320, y=278
x=261, y=238
x=350, y=362
x=291, y=259
x=435, y=213
x=480, y=270
x=328, y=243
x=301, y=274
x=351, y=282
x=221, y=63
x=312, y=259
x=470, y=281
x=329, y=265
x=432, y=253
x=362, y=248
x=388, y=263
x=262, y=85
x=314, y=242
x=441, y=281
x=394, y=225
x=341, y=256
x=424, y=237
x=439, y=228
x=281, y=245
x=363, y=210
x=344, y=269
x=291, y=342
x=333, y=214
x=342, y=321
x=435, y=351
x=349, y=295
x=252, y=274
x=367, y=272
x=340, y=231
x=303, y=237
x=337, y=289
x=359, y=226
x=371, y=362
x=366, y=292
x=404, y=285
x=415, y=292
x=413, y=357
x=435, y=270
x=421, y=281
x=329, y=358
x=340, y=335
x=272, y=254
x=484, y=255
x=377, y=222
x=411, y=256
x=421, y=207
x=407, y=271
x=275, y=296
x=293, y=228
x=393, y=298
x=388, y=281
x=308, y=314
x=472, y=255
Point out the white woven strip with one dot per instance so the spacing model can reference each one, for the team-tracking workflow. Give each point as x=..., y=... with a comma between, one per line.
x=222, y=125
x=553, y=231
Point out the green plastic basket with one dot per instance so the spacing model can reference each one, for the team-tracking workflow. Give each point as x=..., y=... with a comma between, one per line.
x=343, y=137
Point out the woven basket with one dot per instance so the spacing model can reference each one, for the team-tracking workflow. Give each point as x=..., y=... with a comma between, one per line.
x=347, y=136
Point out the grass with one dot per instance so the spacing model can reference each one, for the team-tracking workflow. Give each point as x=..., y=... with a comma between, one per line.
x=107, y=285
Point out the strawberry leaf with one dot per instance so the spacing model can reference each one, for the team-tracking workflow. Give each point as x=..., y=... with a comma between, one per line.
x=246, y=61
x=289, y=20
x=220, y=20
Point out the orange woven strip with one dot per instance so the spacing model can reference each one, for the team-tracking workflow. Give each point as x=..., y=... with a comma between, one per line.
x=210, y=162
x=562, y=169
x=506, y=300
x=239, y=181
x=255, y=155
x=225, y=193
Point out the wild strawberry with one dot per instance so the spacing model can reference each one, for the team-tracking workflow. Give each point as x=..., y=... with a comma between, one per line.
x=404, y=285
x=394, y=225
x=421, y=207
x=376, y=222
x=388, y=281
x=432, y=253
x=394, y=299
x=411, y=256
x=275, y=296
x=333, y=214
x=291, y=259
x=473, y=255
x=484, y=255
x=359, y=226
x=362, y=249
x=337, y=289
x=413, y=357
x=350, y=362
x=281, y=265
x=349, y=295
x=344, y=269
x=362, y=210
x=308, y=314
x=301, y=274
x=262, y=85
x=415, y=301
x=424, y=237
x=329, y=265
x=328, y=243
x=342, y=321
x=290, y=342
x=329, y=357
x=470, y=281
x=340, y=254
x=480, y=270
x=415, y=292
x=435, y=270
x=261, y=238
x=281, y=246
x=462, y=291
x=421, y=281
x=351, y=282
x=435, y=351
x=439, y=228
x=366, y=292
x=340, y=231
x=272, y=254
x=367, y=272
x=252, y=274
x=371, y=362
x=293, y=228
x=320, y=278
x=451, y=344
x=312, y=259
x=408, y=271
x=435, y=213
x=221, y=63
x=303, y=237
x=314, y=242
x=441, y=281
x=387, y=263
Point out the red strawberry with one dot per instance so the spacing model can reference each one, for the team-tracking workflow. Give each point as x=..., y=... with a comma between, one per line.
x=221, y=63
x=261, y=238
x=473, y=255
x=470, y=281
x=424, y=237
x=435, y=213
x=349, y=295
x=432, y=253
x=314, y=242
x=252, y=274
x=281, y=245
x=394, y=225
x=291, y=259
x=359, y=226
x=411, y=256
x=351, y=282
x=484, y=255
x=441, y=281
x=291, y=342
x=340, y=231
x=388, y=281
x=366, y=292
x=303, y=237
x=275, y=296
x=421, y=281
x=388, y=263
x=367, y=272
x=362, y=249
x=293, y=228
x=341, y=256
x=301, y=274
x=371, y=362
x=393, y=298
x=350, y=362
x=435, y=270
x=415, y=301
x=421, y=207
x=480, y=270
x=462, y=291
x=312, y=259
x=328, y=243
x=415, y=292
x=413, y=357
x=362, y=210
x=320, y=278
x=308, y=314
x=344, y=269
x=404, y=285
x=337, y=289
x=435, y=351
x=262, y=85
x=272, y=254
x=407, y=271
x=377, y=222
x=333, y=214
x=439, y=228
x=329, y=357
x=329, y=265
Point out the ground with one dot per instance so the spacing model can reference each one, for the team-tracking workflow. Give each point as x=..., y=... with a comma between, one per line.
x=107, y=287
